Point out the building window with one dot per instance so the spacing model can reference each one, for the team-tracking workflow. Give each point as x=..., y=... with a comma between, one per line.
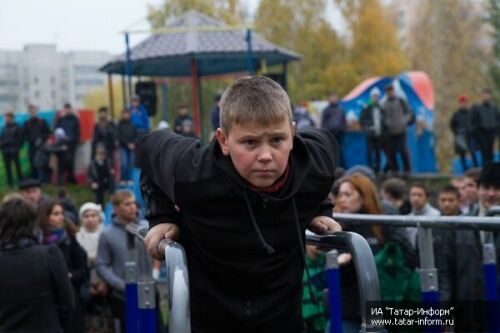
x=52, y=80
x=37, y=94
x=35, y=79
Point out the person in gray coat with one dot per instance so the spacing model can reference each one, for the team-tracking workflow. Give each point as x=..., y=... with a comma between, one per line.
x=396, y=116
x=112, y=252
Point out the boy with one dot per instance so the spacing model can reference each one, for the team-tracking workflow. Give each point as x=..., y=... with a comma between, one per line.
x=242, y=204
x=449, y=201
x=101, y=175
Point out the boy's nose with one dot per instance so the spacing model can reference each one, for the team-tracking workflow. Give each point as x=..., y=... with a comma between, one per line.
x=265, y=155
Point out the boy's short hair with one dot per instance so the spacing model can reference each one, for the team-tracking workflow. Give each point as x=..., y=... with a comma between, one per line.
x=450, y=189
x=254, y=98
x=395, y=188
x=119, y=196
x=423, y=187
x=473, y=174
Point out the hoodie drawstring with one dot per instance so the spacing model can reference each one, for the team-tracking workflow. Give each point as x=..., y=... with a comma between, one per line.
x=270, y=249
x=303, y=251
x=266, y=245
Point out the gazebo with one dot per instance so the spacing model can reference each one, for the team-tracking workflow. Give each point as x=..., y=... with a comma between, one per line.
x=196, y=45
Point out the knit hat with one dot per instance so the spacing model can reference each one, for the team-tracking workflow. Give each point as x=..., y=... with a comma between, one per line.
x=463, y=99
x=89, y=206
x=490, y=175
x=375, y=91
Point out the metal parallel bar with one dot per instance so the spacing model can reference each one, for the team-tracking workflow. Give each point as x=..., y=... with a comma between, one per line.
x=334, y=292
x=179, y=320
x=443, y=222
x=364, y=263
x=179, y=315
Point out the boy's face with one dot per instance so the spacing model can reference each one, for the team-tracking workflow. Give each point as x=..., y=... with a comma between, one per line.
x=259, y=154
x=489, y=195
x=448, y=203
x=470, y=189
x=127, y=209
x=418, y=198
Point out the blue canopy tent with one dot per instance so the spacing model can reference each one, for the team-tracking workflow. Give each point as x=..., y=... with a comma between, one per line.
x=196, y=45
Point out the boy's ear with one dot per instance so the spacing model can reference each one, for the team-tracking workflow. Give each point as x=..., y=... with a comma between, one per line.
x=222, y=139
x=294, y=128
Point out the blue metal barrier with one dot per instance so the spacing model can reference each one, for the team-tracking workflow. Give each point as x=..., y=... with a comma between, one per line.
x=140, y=298
x=131, y=297
x=334, y=302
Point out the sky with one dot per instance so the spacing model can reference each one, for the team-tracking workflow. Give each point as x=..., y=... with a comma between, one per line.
x=75, y=24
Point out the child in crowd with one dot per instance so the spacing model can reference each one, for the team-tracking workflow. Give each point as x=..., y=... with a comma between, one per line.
x=101, y=175
x=241, y=207
x=90, y=216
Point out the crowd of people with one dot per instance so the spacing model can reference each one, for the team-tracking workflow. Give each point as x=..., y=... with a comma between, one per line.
x=245, y=243
x=458, y=253
x=62, y=272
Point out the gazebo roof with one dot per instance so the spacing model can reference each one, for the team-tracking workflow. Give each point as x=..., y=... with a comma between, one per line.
x=217, y=49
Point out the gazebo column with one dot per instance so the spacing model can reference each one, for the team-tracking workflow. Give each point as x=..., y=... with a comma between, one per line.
x=195, y=85
x=111, y=96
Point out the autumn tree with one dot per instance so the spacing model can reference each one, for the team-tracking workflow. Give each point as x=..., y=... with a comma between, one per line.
x=301, y=26
x=447, y=43
x=494, y=21
x=375, y=49
x=98, y=97
x=230, y=11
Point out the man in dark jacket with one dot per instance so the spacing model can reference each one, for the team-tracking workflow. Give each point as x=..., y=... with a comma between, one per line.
x=396, y=117
x=184, y=124
x=462, y=126
x=333, y=119
x=486, y=118
x=242, y=205
x=35, y=132
x=105, y=133
x=10, y=143
x=127, y=138
x=69, y=122
x=371, y=122
x=463, y=272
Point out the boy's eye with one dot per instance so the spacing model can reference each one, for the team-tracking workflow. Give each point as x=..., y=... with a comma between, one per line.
x=249, y=142
x=277, y=140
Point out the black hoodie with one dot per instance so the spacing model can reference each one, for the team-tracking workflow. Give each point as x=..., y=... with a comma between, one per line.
x=243, y=248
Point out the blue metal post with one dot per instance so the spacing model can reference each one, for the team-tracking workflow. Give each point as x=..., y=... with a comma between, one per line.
x=147, y=307
x=490, y=284
x=128, y=65
x=131, y=299
x=249, y=52
x=333, y=278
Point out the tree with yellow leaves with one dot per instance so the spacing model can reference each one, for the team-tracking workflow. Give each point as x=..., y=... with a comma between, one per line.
x=230, y=11
x=446, y=43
